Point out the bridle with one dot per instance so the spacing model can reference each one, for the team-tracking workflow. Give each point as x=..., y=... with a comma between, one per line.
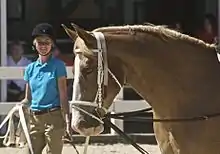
x=102, y=77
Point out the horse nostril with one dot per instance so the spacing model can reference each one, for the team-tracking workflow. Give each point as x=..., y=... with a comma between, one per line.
x=82, y=124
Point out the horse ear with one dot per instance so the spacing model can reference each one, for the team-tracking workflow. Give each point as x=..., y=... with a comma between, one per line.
x=89, y=39
x=70, y=32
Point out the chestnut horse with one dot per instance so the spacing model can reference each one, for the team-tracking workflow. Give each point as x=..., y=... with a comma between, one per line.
x=178, y=75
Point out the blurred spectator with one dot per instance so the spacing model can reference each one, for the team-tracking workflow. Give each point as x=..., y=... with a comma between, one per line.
x=15, y=90
x=208, y=31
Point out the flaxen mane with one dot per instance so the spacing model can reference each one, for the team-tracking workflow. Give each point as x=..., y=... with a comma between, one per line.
x=161, y=31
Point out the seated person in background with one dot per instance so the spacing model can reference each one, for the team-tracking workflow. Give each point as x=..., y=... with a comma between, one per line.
x=15, y=90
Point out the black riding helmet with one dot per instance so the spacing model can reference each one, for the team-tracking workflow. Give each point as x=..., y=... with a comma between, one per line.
x=43, y=29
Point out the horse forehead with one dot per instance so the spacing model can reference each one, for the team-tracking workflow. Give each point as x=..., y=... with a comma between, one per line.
x=77, y=42
x=80, y=42
x=79, y=46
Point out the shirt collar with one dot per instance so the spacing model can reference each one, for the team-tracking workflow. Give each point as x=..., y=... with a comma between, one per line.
x=39, y=63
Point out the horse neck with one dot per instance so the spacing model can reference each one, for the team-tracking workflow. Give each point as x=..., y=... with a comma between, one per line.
x=116, y=80
x=171, y=76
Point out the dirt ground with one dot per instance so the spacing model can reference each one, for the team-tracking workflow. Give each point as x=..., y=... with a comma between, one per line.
x=95, y=149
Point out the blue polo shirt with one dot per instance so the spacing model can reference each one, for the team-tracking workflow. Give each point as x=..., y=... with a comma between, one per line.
x=42, y=78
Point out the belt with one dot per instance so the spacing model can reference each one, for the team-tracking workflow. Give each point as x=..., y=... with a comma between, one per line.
x=46, y=111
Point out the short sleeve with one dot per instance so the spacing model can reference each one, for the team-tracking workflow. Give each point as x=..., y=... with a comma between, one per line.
x=61, y=70
x=26, y=73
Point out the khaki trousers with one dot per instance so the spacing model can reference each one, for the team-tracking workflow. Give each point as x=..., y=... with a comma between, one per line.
x=47, y=129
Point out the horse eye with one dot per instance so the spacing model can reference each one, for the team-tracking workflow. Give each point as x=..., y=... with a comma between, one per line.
x=89, y=70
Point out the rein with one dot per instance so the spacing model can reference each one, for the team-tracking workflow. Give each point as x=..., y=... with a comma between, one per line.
x=134, y=117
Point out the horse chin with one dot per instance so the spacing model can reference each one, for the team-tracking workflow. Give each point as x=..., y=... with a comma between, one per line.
x=86, y=125
x=93, y=131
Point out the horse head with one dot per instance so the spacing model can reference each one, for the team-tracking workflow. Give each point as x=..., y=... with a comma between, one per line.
x=89, y=99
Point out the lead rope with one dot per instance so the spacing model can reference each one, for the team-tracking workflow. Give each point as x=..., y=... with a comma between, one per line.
x=7, y=137
x=18, y=108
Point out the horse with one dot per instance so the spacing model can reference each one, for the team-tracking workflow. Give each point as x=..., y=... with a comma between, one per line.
x=177, y=74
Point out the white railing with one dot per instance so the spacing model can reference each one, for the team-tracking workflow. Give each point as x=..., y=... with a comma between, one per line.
x=119, y=104
x=18, y=72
